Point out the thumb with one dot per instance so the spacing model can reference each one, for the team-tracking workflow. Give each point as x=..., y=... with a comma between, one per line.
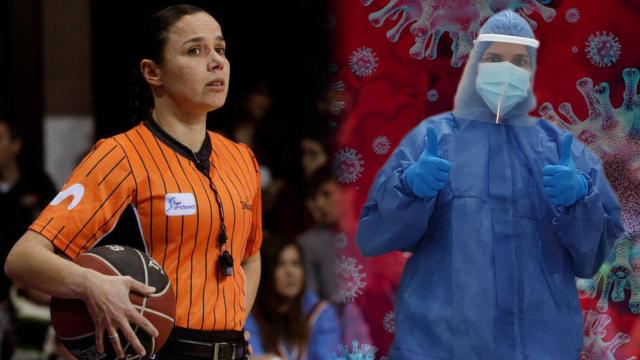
x=566, y=157
x=432, y=142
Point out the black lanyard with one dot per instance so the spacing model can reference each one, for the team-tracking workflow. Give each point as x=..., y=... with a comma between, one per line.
x=225, y=260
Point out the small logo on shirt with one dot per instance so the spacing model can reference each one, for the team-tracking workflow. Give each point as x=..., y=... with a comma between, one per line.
x=246, y=205
x=179, y=204
x=76, y=191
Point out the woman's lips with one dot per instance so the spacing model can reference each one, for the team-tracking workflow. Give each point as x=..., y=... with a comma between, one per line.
x=216, y=85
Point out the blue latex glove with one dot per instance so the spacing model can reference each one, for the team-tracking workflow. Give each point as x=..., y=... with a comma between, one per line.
x=562, y=183
x=430, y=173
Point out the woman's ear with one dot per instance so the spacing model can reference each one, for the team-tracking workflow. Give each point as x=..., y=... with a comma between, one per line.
x=150, y=72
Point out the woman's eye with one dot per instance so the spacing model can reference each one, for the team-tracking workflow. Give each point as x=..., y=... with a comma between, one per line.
x=220, y=50
x=195, y=51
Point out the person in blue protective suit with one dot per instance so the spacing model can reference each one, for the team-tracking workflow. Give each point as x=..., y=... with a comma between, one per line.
x=500, y=210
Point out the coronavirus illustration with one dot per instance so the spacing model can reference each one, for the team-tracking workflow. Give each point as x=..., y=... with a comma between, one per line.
x=618, y=276
x=341, y=241
x=389, y=322
x=603, y=49
x=350, y=279
x=381, y=145
x=594, y=346
x=433, y=95
x=572, y=15
x=428, y=20
x=357, y=352
x=363, y=62
x=348, y=165
x=611, y=133
x=335, y=105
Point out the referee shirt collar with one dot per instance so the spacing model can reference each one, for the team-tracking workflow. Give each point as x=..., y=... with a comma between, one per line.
x=201, y=157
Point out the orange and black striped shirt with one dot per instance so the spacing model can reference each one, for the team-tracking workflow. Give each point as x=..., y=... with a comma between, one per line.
x=169, y=190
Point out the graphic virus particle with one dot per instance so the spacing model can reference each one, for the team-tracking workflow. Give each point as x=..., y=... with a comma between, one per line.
x=348, y=165
x=350, y=279
x=335, y=105
x=621, y=272
x=603, y=49
x=572, y=15
x=575, y=49
x=389, y=322
x=430, y=19
x=381, y=145
x=594, y=346
x=341, y=241
x=357, y=352
x=433, y=95
x=363, y=62
x=613, y=134
x=337, y=86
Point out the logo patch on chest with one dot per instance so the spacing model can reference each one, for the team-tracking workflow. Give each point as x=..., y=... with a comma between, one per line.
x=179, y=204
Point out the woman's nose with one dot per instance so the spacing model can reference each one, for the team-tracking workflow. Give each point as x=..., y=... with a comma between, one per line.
x=216, y=62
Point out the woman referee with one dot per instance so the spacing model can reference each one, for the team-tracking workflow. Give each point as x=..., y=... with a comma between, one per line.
x=196, y=196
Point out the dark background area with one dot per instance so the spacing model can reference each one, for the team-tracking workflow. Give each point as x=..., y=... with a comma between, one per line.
x=4, y=59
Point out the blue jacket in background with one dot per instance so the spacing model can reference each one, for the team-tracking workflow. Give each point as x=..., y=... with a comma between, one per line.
x=325, y=331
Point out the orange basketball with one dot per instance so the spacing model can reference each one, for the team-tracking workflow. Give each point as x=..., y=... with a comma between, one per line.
x=73, y=324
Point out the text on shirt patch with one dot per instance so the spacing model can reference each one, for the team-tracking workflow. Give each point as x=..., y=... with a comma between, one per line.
x=179, y=204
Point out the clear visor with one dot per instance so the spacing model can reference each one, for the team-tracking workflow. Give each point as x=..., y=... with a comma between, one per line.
x=509, y=39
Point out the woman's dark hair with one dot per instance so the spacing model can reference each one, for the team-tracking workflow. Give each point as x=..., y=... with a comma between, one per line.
x=14, y=133
x=320, y=177
x=153, y=38
x=274, y=325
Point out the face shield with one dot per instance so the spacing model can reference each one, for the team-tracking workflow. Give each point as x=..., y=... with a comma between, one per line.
x=503, y=84
x=498, y=77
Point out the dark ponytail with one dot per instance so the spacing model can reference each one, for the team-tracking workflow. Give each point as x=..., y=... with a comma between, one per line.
x=153, y=38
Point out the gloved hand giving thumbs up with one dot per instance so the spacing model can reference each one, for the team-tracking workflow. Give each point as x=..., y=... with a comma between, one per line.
x=562, y=183
x=430, y=173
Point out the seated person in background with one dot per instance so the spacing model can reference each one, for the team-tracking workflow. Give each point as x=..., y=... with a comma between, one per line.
x=326, y=202
x=24, y=192
x=288, y=322
x=323, y=200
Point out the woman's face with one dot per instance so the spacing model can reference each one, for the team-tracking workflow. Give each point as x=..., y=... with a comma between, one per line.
x=313, y=156
x=514, y=53
x=289, y=274
x=195, y=70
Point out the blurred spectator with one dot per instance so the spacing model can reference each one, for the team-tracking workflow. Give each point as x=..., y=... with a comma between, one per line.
x=325, y=200
x=314, y=153
x=319, y=242
x=23, y=194
x=284, y=209
x=288, y=321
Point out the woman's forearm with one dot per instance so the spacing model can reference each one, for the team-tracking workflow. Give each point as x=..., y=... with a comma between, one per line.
x=33, y=263
x=251, y=267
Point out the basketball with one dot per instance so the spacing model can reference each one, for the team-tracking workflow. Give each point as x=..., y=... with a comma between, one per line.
x=74, y=326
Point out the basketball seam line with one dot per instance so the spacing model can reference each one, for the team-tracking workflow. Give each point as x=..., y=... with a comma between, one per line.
x=154, y=312
x=104, y=261
x=144, y=302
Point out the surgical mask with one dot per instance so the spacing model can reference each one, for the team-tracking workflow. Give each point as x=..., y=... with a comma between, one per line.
x=502, y=85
